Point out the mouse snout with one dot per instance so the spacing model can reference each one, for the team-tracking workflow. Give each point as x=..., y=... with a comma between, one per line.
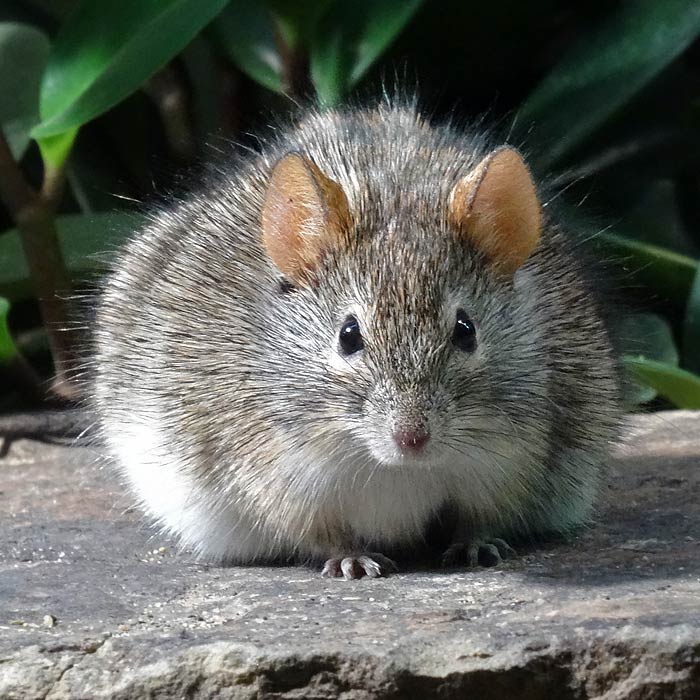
x=412, y=439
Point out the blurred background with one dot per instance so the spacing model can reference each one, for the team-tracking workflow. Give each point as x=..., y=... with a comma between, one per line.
x=107, y=104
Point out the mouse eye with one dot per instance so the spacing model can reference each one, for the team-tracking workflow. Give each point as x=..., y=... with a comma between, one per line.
x=350, y=338
x=284, y=286
x=464, y=334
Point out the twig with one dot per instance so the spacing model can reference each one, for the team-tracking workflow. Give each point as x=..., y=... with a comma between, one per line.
x=231, y=97
x=53, y=186
x=58, y=425
x=296, y=81
x=33, y=213
x=168, y=92
x=15, y=193
x=65, y=422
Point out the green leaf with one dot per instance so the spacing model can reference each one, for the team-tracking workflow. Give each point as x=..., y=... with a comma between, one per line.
x=645, y=336
x=349, y=39
x=107, y=49
x=648, y=335
x=680, y=387
x=691, y=327
x=24, y=52
x=602, y=71
x=8, y=350
x=55, y=149
x=245, y=32
x=670, y=274
x=84, y=239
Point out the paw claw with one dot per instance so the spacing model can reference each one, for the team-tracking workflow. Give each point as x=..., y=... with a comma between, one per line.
x=504, y=549
x=351, y=568
x=331, y=569
x=372, y=565
x=454, y=555
x=486, y=553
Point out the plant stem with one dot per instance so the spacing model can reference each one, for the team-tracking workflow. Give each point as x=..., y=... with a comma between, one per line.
x=295, y=67
x=15, y=193
x=168, y=91
x=33, y=213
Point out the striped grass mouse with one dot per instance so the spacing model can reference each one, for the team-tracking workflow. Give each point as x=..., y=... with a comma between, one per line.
x=338, y=337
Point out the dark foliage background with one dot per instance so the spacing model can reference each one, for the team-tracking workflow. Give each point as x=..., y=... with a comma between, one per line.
x=103, y=103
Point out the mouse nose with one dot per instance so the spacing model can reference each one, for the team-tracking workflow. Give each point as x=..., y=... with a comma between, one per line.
x=412, y=440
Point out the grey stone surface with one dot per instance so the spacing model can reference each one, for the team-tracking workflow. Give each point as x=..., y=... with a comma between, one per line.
x=93, y=604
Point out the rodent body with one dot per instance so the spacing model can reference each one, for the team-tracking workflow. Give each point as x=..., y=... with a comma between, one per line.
x=245, y=429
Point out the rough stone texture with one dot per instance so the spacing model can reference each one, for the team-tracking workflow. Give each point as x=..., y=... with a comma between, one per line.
x=614, y=614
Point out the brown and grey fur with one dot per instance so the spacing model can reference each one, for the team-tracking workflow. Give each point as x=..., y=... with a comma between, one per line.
x=227, y=407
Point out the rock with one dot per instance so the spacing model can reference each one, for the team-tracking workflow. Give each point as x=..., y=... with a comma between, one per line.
x=614, y=614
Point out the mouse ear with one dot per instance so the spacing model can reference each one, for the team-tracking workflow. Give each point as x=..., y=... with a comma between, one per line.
x=496, y=208
x=303, y=214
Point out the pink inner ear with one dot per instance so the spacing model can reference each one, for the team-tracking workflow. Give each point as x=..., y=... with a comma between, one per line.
x=496, y=207
x=303, y=213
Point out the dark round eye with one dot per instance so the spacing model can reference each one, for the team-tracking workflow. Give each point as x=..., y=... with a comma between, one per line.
x=350, y=338
x=464, y=334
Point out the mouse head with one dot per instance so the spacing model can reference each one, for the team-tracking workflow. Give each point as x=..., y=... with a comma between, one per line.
x=410, y=302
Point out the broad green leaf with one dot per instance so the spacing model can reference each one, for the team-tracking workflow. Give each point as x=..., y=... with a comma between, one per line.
x=603, y=70
x=649, y=337
x=24, y=52
x=349, y=39
x=107, y=49
x=245, y=32
x=670, y=274
x=680, y=387
x=8, y=350
x=86, y=241
x=691, y=327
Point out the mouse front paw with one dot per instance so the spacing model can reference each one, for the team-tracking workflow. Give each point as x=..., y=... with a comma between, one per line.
x=369, y=564
x=486, y=552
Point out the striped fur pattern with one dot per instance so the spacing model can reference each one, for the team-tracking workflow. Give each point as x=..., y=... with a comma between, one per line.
x=226, y=405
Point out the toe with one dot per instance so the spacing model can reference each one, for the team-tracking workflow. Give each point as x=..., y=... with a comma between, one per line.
x=351, y=568
x=375, y=565
x=504, y=549
x=331, y=569
x=455, y=555
x=370, y=566
x=480, y=553
x=386, y=565
x=461, y=554
x=473, y=554
x=488, y=555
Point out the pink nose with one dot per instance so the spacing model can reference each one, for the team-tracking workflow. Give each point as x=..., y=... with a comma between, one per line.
x=411, y=440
